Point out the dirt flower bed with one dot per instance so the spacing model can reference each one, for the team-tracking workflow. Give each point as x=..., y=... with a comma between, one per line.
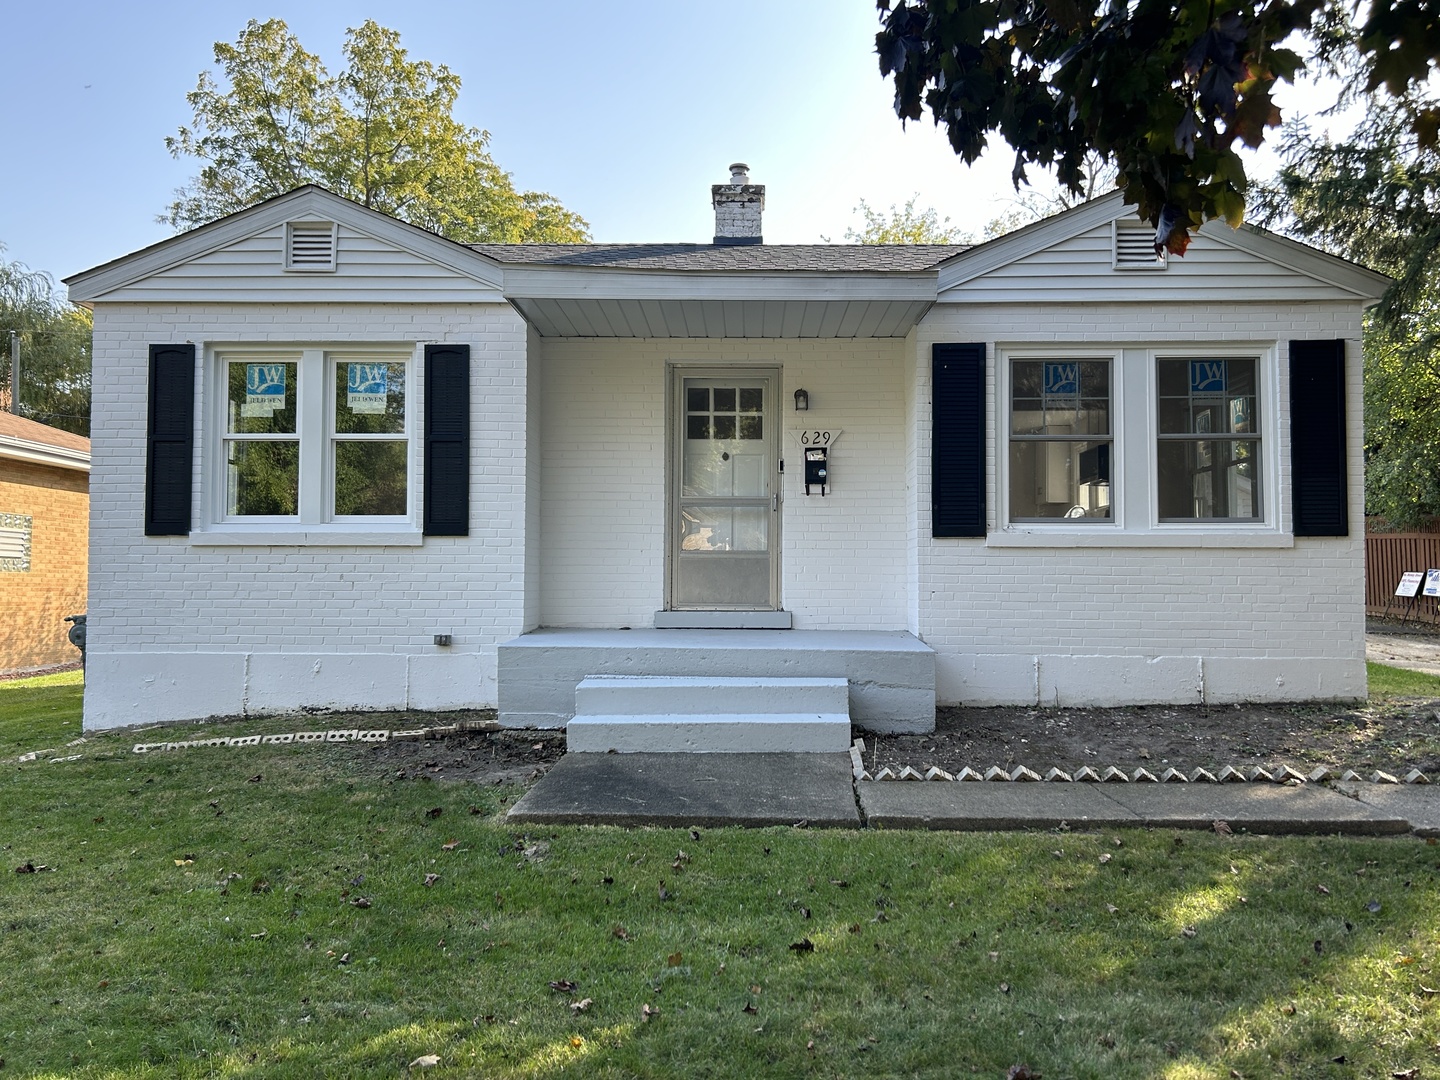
x=1393, y=736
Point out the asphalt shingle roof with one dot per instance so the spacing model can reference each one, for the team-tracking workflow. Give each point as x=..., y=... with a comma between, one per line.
x=18, y=427
x=851, y=258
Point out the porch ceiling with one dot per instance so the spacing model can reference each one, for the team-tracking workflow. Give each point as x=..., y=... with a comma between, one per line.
x=793, y=318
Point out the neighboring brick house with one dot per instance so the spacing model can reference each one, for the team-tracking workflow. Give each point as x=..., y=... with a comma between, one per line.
x=44, y=539
x=344, y=462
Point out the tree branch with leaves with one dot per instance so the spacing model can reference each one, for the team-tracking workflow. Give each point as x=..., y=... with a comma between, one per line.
x=382, y=133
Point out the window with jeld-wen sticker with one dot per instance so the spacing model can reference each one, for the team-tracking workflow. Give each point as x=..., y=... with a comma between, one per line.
x=315, y=436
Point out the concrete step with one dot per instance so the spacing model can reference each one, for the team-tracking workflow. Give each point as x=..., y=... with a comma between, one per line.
x=891, y=675
x=702, y=695
x=709, y=714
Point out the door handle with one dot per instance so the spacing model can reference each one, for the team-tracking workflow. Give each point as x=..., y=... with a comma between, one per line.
x=775, y=502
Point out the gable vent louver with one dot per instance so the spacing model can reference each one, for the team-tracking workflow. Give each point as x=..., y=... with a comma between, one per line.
x=310, y=245
x=1135, y=246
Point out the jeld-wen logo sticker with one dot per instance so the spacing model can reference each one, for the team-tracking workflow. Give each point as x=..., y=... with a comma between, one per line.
x=368, y=387
x=264, y=389
x=1062, y=384
x=1208, y=378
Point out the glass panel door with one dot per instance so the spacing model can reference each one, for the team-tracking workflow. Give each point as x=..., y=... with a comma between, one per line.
x=724, y=532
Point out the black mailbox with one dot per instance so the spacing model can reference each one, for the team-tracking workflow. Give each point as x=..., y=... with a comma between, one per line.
x=817, y=469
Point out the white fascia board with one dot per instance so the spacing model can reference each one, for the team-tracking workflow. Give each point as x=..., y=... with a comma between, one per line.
x=604, y=283
x=36, y=453
x=1301, y=258
x=307, y=202
x=1032, y=239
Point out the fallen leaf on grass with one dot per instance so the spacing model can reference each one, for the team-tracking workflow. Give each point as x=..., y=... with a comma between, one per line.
x=1374, y=908
x=344, y=959
x=1319, y=946
x=1407, y=1074
x=620, y=932
x=1004, y=987
x=450, y=845
x=36, y=868
x=663, y=892
x=674, y=960
x=430, y=879
x=563, y=986
x=1111, y=908
x=184, y=862
x=1288, y=1008
x=803, y=945
x=576, y=1041
x=360, y=902
x=1106, y=858
x=1222, y=828
x=1021, y=1072
x=260, y=936
x=647, y=1012
x=1188, y=932
x=257, y=778
x=434, y=811
x=425, y=1061
x=750, y=1008
x=1322, y=890
x=581, y=1005
x=755, y=989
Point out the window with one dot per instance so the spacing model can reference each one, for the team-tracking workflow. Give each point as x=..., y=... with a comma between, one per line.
x=1060, y=439
x=291, y=451
x=1208, y=452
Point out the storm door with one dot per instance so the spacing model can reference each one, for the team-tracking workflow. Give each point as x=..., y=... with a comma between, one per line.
x=724, y=506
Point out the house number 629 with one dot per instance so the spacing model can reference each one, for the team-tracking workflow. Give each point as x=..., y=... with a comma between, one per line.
x=815, y=438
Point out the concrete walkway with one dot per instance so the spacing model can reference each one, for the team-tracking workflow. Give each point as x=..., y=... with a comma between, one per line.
x=683, y=790
x=1415, y=651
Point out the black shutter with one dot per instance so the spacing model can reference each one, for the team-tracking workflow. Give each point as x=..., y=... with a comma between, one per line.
x=170, y=438
x=957, y=440
x=447, y=440
x=1317, y=438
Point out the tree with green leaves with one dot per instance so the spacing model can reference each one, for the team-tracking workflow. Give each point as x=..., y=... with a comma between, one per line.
x=904, y=225
x=1168, y=90
x=54, y=338
x=382, y=132
x=1374, y=197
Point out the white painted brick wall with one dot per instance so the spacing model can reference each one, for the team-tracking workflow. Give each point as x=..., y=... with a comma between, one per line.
x=1259, y=623
x=155, y=599
x=843, y=559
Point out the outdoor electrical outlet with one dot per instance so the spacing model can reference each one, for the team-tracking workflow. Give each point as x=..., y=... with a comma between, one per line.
x=442, y=639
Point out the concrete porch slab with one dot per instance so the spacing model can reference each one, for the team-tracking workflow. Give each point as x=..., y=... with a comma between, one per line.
x=693, y=789
x=891, y=675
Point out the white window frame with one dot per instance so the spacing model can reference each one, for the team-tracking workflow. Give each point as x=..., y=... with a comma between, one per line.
x=315, y=523
x=1134, y=465
x=1267, y=389
x=1004, y=370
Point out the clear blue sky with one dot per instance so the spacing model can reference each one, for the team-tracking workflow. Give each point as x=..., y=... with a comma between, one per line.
x=626, y=111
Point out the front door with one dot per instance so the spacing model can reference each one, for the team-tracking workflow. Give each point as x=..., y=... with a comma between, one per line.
x=724, y=506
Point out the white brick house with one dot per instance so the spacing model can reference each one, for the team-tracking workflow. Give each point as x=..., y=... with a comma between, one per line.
x=341, y=462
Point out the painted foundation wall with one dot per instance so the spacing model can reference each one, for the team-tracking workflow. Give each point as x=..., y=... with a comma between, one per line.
x=602, y=534
x=1105, y=616
x=178, y=630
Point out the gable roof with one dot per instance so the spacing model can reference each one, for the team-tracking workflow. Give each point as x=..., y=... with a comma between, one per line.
x=1003, y=251
x=308, y=202
x=27, y=440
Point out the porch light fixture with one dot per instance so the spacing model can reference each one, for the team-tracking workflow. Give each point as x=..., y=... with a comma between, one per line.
x=802, y=401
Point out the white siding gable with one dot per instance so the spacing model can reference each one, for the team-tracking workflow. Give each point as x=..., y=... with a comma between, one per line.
x=368, y=270
x=1080, y=269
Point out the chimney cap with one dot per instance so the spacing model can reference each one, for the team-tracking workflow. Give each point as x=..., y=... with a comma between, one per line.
x=739, y=173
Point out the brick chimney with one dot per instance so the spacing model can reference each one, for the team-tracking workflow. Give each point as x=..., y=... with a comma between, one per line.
x=738, y=206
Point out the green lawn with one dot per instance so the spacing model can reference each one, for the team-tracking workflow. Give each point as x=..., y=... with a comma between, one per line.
x=1387, y=681
x=205, y=919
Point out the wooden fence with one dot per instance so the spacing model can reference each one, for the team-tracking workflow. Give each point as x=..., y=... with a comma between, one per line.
x=1387, y=556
